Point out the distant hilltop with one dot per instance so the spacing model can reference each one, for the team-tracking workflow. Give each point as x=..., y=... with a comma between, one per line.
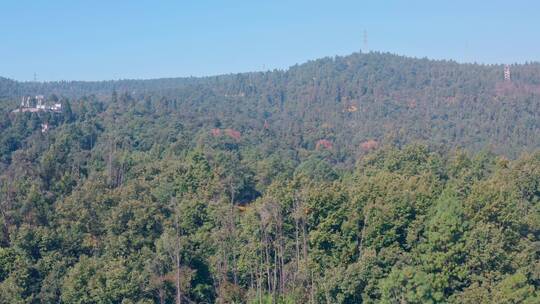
x=37, y=104
x=397, y=72
x=346, y=104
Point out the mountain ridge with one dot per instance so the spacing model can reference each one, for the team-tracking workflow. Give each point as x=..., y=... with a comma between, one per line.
x=349, y=100
x=59, y=87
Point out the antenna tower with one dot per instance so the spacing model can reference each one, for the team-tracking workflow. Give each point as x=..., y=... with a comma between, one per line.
x=507, y=73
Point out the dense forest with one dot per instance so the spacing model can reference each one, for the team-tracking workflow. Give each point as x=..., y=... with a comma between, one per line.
x=348, y=101
x=369, y=178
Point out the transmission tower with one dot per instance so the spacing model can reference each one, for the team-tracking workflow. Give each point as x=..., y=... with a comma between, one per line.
x=507, y=73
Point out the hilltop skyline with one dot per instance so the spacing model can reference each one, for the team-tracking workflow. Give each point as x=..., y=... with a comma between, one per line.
x=124, y=40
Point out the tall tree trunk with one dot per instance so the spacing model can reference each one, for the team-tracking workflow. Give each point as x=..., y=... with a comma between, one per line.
x=161, y=295
x=267, y=257
x=304, y=241
x=297, y=243
x=275, y=279
x=178, y=289
x=233, y=236
x=259, y=281
x=312, y=288
x=109, y=162
x=281, y=255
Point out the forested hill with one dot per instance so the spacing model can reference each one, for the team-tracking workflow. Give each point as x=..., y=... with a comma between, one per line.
x=353, y=99
x=340, y=180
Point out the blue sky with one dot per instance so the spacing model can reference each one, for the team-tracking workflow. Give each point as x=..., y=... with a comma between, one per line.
x=99, y=40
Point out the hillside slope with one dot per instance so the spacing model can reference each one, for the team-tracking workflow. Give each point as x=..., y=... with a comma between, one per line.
x=298, y=186
x=350, y=100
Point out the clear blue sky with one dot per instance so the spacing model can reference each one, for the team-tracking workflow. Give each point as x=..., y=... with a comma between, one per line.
x=98, y=40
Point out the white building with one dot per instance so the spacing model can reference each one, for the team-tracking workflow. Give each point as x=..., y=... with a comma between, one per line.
x=37, y=104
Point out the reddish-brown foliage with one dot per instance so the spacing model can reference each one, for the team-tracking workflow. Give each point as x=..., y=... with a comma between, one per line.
x=369, y=145
x=233, y=133
x=215, y=132
x=325, y=143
